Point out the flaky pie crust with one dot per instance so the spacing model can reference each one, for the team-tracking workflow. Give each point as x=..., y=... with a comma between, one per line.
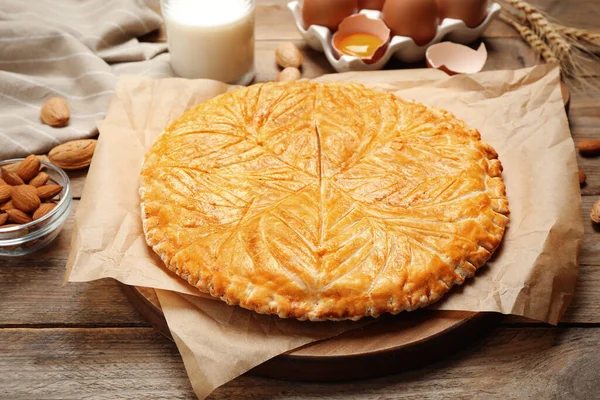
x=322, y=200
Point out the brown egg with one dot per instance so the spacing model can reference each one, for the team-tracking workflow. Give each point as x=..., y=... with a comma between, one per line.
x=371, y=4
x=472, y=12
x=417, y=19
x=328, y=13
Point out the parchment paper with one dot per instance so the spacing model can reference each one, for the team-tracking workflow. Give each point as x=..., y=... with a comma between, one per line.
x=520, y=113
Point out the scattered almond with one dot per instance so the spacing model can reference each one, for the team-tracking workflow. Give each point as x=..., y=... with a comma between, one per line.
x=11, y=177
x=75, y=154
x=595, y=213
x=25, y=198
x=18, y=216
x=28, y=168
x=43, y=158
x=589, y=147
x=55, y=112
x=3, y=218
x=7, y=206
x=288, y=55
x=288, y=74
x=3, y=182
x=47, y=192
x=4, y=193
x=582, y=177
x=43, y=209
x=39, y=180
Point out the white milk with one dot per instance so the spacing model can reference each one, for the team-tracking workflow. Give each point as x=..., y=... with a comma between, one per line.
x=211, y=39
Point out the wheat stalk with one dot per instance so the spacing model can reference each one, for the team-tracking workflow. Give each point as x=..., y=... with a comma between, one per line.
x=533, y=39
x=582, y=35
x=544, y=29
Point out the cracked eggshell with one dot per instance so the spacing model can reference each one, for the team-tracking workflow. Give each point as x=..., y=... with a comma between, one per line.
x=361, y=23
x=454, y=58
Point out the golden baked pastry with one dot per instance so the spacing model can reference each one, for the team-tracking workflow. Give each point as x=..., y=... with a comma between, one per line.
x=322, y=201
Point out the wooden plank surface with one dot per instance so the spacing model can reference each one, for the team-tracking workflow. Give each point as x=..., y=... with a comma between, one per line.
x=135, y=363
x=86, y=341
x=509, y=363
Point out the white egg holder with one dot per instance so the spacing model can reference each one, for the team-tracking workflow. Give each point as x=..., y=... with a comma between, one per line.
x=402, y=47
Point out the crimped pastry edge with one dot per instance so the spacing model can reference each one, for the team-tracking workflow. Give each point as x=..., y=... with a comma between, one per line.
x=306, y=311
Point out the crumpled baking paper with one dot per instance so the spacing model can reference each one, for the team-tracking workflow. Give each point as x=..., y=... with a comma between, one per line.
x=520, y=113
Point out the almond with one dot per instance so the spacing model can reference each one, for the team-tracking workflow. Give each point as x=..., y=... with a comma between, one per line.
x=4, y=193
x=74, y=154
x=39, y=180
x=11, y=177
x=582, y=177
x=28, y=168
x=7, y=206
x=288, y=55
x=3, y=182
x=43, y=209
x=25, y=198
x=47, y=192
x=13, y=167
x=589, y=147
x=55, y=112
x=288, y=74
x=43, y=158
x=595, y=213
x=3, y=218
x=18, y=216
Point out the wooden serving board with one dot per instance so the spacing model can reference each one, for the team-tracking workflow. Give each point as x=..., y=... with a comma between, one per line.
x=390, y=344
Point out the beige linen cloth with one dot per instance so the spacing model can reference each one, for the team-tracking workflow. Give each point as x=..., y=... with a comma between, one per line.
x=72, y=49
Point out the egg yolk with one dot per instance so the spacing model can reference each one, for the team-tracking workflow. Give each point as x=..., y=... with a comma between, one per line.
x=358, y=44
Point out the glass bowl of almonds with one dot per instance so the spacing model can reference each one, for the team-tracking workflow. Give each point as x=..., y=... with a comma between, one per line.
x=35, y=201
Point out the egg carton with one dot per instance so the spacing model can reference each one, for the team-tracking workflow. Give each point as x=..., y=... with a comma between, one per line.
x=402, y=47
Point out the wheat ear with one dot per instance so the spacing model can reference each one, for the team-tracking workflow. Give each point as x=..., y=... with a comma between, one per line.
x=582, y=35
x=533, y=39
x=544, y=29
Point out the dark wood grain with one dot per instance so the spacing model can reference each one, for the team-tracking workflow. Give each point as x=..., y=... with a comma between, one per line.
x=590, y=250
x=77, y=179
x=511, y=363
x=31, y=291
x=134, y=363
x=86, y=341
x=127, y=363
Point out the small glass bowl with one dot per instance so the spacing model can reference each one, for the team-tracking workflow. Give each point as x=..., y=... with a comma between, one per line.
x=27, y=238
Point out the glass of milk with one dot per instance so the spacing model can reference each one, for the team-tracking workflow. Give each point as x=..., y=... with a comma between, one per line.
x=212, y=39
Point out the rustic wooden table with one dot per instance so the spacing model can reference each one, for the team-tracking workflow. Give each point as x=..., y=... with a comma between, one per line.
x=87, y=341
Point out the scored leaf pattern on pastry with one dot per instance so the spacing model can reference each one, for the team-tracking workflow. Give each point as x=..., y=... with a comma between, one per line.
x=322, y=201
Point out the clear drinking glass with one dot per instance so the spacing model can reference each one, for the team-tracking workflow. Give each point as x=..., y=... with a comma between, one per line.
x=212, y=39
